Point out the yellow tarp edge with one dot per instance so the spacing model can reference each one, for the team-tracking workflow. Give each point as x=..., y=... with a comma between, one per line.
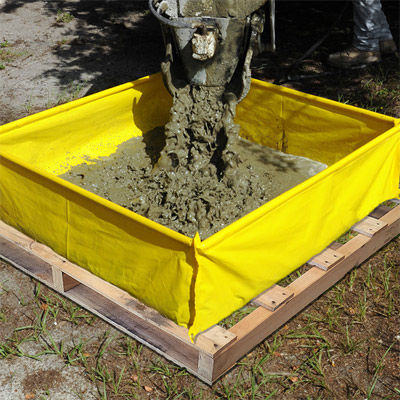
x=245, y=221
x=98, y=199
x=30, y=119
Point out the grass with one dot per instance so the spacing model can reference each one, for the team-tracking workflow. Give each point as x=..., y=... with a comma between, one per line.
x=64, y=17
x=236, y=316
x=70, y=92
x=9, y=55
x=377, y=371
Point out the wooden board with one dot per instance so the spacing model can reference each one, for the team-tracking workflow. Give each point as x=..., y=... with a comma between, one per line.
x=217, y=350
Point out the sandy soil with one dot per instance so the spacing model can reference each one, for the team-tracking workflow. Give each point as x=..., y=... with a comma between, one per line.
x=57, y=51
x=53, y=52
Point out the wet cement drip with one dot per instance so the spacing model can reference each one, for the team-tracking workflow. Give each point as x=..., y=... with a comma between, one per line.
x=197, y=174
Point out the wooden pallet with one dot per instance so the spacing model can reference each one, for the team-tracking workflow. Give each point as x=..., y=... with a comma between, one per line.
x=216, y=350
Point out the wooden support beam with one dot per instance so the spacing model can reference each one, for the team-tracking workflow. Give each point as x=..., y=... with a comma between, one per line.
x=217, y=350
x=61, y=281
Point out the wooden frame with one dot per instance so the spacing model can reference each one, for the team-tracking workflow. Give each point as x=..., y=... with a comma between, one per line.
x=217, y=350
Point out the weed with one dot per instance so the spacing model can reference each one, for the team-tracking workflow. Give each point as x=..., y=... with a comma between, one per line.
x=2, y=66
x=62, y=42
x=339, y=292
x=130, y=348
x=77, y=354
x=3, y=287
x=20, y=298
x=238, y=315
x=387, y=273
x=3, y=317
x=165, y=370
x=362, y=305
x=7, y=55
x=352, y=279
x=53, y=347
x=28, y=106
x=378, y=369
x=116, y=380
x=76, y=314
x=333, y=315
x=64, y=17
x=37, y=290
x=5, y=350
x=347, y=236
x=273, y=345
x=69, y=93
x=5, y=43
x=171, y=390
x=341, y=98
x=312, y=369
x=371, y=278
x=349, y=344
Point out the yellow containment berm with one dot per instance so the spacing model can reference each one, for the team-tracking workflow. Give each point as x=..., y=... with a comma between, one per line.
x=196, y=283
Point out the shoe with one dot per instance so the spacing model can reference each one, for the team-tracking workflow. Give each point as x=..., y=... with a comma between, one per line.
x=353, y=57
x=387, y=47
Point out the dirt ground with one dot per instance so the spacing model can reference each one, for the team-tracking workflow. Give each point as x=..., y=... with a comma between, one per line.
x=344, y=345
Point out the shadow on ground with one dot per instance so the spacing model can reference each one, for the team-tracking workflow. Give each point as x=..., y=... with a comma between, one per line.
x=112, y=42
x=116, y=41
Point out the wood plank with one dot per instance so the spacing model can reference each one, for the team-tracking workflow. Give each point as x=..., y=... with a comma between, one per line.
x=220, y=336
x=69, y=282
x=327, y=259
x=58, y=281
x=335, y=245
x=274, y=297
x=62, y=282
x=205, y=366
x=256, y=326
x=369, y=226
x=12, y=254
x=150, y=335
x=379, y=211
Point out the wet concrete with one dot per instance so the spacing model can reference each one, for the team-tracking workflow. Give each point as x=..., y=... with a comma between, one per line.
x=197, y=174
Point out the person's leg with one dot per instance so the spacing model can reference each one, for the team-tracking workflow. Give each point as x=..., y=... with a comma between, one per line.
x=372, y=36
x=370, y=25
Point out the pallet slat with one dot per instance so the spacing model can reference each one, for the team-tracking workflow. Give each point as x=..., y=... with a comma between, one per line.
x=326, y=259
x=274, y=297
x=369, y=226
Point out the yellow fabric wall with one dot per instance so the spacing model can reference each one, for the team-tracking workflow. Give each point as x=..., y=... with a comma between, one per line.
x=195, y=283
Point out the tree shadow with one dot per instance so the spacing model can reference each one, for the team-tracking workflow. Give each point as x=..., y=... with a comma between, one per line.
x=299, y=24
x=12, y=5
x=106, y=43
x=110, y=42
